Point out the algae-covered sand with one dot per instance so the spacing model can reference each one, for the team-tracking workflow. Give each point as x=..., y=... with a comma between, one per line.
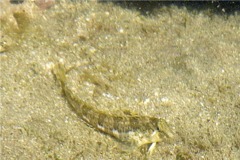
x=173, y=63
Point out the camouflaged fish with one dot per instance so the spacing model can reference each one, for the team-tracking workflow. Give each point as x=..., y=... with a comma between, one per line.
x=129, y=128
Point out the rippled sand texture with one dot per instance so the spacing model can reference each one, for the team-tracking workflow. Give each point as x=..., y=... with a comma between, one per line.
x=173, y=63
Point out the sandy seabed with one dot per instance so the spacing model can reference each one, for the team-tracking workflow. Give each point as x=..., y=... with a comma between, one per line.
x=178, y=64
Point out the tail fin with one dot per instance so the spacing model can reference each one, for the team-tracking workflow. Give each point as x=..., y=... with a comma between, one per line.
x=59, y=71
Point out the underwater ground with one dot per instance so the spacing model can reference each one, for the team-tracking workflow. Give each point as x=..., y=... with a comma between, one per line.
x=165, y=61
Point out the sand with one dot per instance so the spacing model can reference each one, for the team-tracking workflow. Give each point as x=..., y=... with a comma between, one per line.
x=178, y=64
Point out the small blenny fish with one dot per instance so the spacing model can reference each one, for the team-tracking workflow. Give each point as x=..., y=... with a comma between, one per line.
x=128, y=128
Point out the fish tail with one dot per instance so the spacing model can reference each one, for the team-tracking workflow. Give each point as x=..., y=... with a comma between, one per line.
x=59, y=71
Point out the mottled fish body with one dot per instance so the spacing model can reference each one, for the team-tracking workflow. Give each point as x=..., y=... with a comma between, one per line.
x=128, y=128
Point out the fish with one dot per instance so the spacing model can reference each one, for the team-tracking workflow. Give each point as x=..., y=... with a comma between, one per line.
x=131, y=129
